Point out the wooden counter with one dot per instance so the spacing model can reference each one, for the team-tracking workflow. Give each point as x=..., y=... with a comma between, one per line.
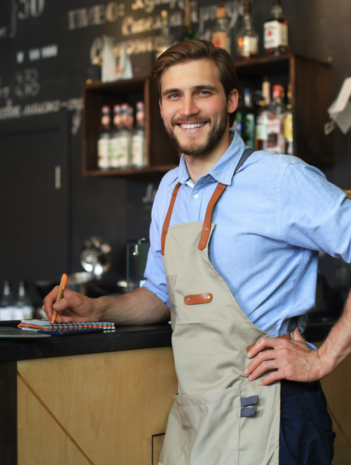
x=59, y=405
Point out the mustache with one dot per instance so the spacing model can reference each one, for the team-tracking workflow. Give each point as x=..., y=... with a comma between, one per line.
x=188, y=121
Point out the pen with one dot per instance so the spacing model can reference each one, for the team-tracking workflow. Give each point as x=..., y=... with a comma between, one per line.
x=59, y=295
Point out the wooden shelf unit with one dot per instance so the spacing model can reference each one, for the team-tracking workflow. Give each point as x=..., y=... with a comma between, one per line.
x=312, y=94
x=161, y=155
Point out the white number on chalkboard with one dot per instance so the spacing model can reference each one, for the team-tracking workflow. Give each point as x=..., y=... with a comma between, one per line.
x=33, y=8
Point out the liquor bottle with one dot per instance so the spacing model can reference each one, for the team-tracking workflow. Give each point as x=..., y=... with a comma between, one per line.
x=276, y=41
x=288, y=125
x=23, y=309
x=188, y=31
x=104, y=139
x=138, y=142
x=221, y=36
x=261, y=141
x=247, y=38
x=248, y=132
x=165, y=40
x=275, y=125
x=124, y=138
x=114, y=140
x=6, y=304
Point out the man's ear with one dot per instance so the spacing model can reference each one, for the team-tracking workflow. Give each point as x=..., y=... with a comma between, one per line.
x=160, y=103
x=233, y=101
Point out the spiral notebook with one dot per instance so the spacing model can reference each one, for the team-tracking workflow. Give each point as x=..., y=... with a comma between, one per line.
x=42, y=325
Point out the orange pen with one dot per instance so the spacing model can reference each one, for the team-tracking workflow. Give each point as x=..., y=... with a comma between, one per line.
x=59, y=295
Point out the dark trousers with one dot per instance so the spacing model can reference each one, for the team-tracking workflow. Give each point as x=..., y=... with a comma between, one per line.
x=306, y=436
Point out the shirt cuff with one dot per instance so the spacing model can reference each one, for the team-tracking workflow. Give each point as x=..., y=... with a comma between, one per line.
x=157, y=291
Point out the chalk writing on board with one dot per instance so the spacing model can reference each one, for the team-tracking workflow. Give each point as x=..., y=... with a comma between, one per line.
x=24, y=9
x=149, y=197
x=10, y=111
x=27, y=83
x=94, y=15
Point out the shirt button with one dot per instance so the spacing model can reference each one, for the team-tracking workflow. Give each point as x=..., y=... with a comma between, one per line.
x=196, y=196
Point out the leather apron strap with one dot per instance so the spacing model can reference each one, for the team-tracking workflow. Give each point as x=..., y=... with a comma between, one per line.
x=208, y=217
x=168, y=218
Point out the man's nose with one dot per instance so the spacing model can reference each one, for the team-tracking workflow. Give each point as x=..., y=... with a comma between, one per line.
x=189, y=106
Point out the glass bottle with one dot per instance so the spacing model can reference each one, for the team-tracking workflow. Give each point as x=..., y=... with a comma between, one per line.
x=165, y=40
x=114, y=140
x=247, y=38
x=138, y=142
x=124, y=138
x=104, y=139
x=188, y=31
x=275, y=125
x=261, y=140
x=23, y=308
x=221, y=36
x=6, y=304
x=248, y=120
x=288, y=125
x=276, y=41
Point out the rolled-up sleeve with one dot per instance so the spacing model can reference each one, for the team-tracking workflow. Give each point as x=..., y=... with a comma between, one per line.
x=155, y=274
x=314, y=214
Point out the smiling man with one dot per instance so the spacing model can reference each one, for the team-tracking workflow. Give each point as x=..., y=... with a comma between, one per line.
x=234, y=237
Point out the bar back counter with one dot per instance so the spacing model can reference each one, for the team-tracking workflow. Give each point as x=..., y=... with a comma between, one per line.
x=105, y=398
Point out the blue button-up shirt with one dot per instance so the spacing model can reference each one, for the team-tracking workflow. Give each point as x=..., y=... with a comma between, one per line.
x=276, y=213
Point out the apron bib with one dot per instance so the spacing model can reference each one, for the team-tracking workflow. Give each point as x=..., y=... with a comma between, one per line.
x=218, y=416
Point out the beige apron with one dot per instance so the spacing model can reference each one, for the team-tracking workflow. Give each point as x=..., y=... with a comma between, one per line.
x=216, y=418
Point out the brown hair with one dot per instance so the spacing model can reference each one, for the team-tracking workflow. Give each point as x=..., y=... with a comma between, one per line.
x=197, y=50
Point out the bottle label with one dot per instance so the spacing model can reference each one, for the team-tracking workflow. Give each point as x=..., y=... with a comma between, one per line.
x=105, y=120
x=275, y=34
x=221, y=40
x=250, y=46
x=261, y=128
x=104, y=154
x=288, y=128
x=123, y=151
x=114, y=160
x=276, y=141
x=137, y=154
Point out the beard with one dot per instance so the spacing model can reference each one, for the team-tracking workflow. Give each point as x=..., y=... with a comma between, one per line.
x=214, y=136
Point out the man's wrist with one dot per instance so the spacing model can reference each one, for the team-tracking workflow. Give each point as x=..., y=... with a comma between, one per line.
x=99, y=308
x=327, y=362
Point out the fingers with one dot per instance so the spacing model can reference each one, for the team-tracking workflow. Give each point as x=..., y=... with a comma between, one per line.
x=260, y=358
x=49, y=301
x=265, y=343
x=70, y=301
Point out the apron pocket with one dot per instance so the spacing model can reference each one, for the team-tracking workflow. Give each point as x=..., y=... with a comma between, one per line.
x=211, y=421
x=171, y=281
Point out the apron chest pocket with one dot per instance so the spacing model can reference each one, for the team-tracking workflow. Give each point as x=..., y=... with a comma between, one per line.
x=211, y=421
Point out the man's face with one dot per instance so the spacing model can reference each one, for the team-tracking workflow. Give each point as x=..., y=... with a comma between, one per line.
x=194, y=106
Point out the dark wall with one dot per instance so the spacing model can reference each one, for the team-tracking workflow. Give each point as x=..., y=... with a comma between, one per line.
x=33, y=85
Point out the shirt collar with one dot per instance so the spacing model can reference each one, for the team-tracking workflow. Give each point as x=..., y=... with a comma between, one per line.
x=222, y=171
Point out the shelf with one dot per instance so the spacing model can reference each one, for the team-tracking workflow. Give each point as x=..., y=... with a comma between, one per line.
x=160, y=156
x=157, y=169
x=312, y=94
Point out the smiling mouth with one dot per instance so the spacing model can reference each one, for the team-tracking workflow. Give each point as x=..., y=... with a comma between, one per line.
x=192, y=125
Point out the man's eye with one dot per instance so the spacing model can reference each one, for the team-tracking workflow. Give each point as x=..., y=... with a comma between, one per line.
x=204, y=92
x=173, y=96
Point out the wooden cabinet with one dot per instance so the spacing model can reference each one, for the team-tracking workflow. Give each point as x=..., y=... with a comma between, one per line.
x=161, y=155
x=312, y=94
x=107, y=408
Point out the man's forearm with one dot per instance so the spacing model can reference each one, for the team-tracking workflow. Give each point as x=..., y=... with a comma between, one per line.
x=337, y=346
x=138, y=307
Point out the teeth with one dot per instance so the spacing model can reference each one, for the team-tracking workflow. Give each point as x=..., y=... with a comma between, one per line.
x=192, y=126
